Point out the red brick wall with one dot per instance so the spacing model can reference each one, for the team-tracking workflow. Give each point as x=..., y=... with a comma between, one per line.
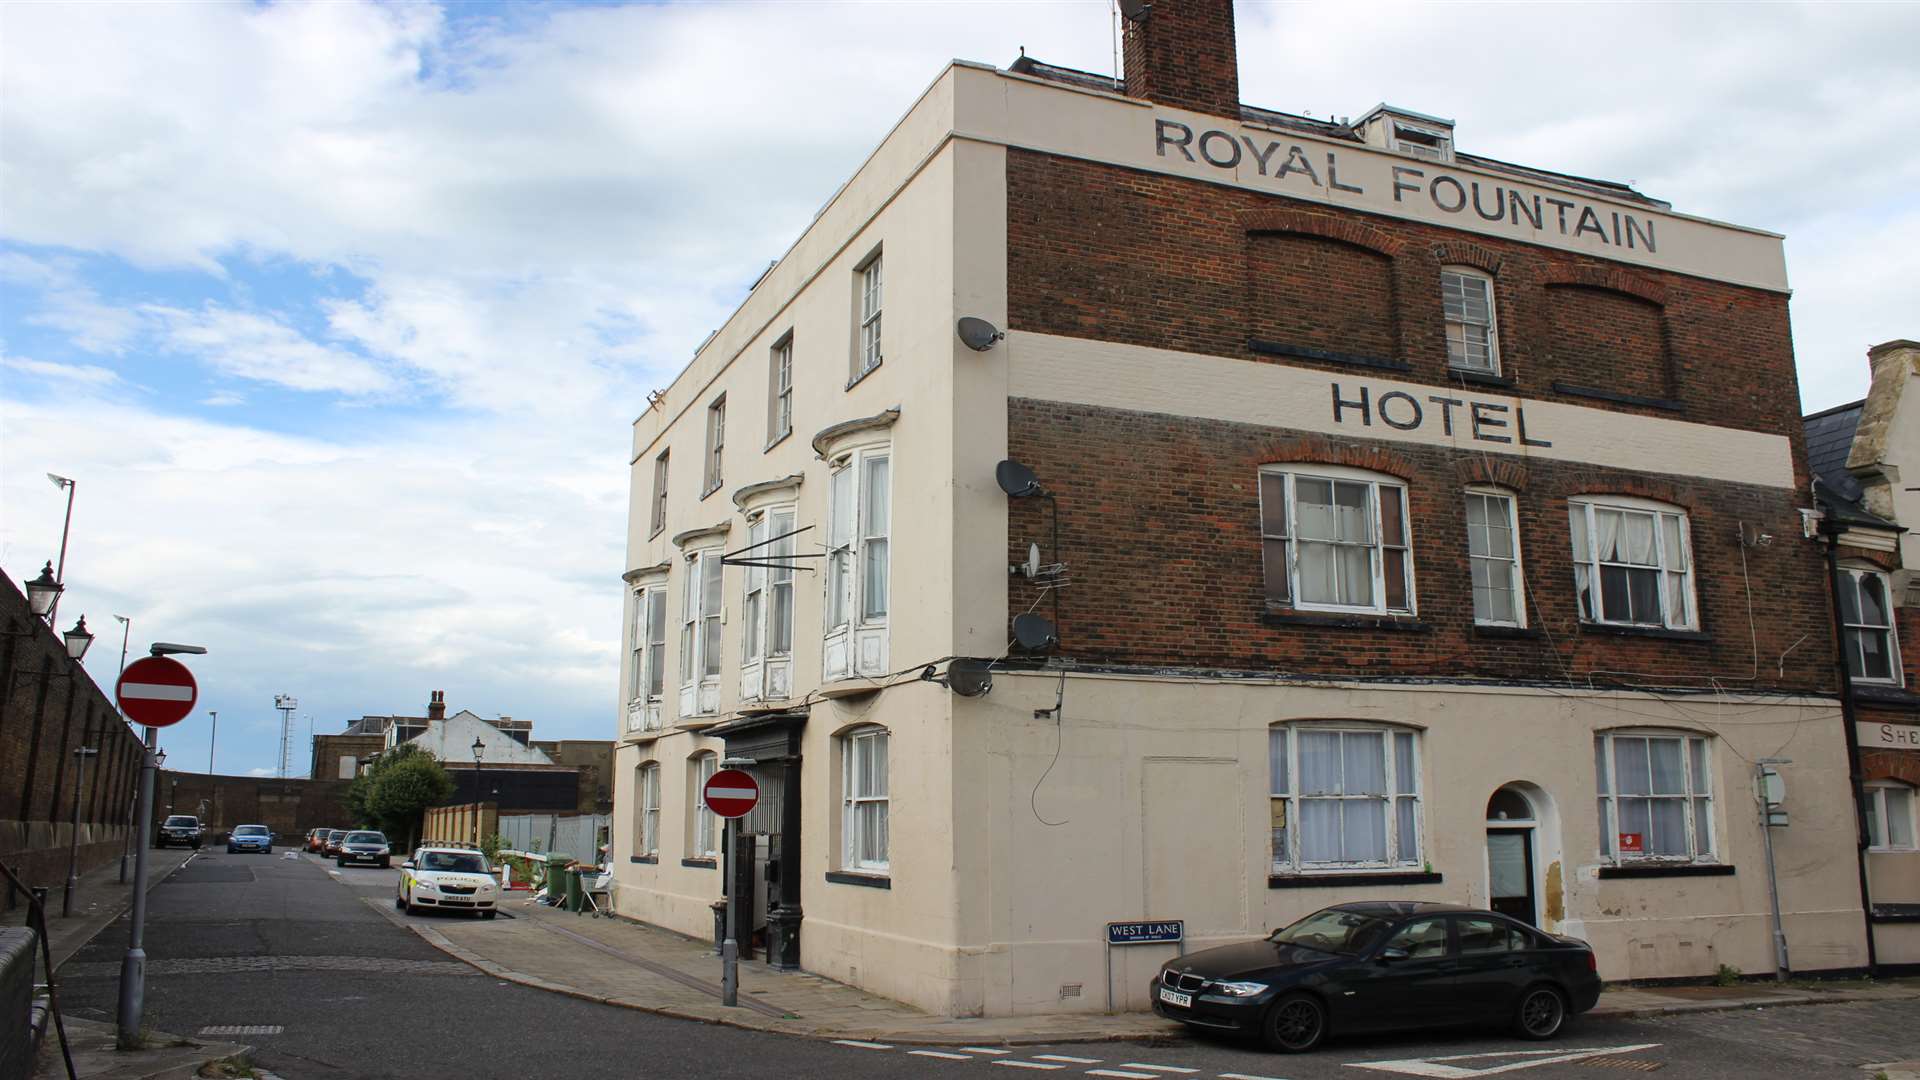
x=1183, y=55
x=1159, y=527
x=1322, y=293
x=1102, y=252
x=49, y=706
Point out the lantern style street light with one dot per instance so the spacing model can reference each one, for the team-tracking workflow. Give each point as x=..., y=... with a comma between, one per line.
x=479, y=752
x=43, y=591
x=78, y=639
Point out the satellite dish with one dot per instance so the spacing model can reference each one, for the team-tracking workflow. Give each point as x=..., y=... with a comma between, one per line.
x=977, y=334
x=1016, y=479
x=1035, y=632
x=1135, y=10
x=969, y=678
x=1032, y=568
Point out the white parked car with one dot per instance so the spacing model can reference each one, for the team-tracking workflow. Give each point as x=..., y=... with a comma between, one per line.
x=452, y=878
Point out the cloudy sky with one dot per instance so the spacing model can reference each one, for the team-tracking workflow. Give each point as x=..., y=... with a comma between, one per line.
x=339, y=312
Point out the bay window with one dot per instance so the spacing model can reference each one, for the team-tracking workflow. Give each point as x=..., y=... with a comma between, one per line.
x=700, y=642
x=859, y=560
x=1343, y=796
x=647, y=799
x=1632, y=563
x=1655, y=796
x=1335, y=539
x=649, y=648
x=706, y=825
x=767, y=639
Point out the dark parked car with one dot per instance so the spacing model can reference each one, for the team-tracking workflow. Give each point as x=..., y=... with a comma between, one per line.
x=181, y=829
x=1375, y=966
x=250, y=838
x=365, y=846
x=332, y=844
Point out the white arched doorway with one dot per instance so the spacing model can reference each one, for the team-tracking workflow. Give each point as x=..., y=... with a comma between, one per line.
x=1513, y=854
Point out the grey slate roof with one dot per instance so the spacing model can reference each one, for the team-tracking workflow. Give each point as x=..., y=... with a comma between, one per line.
x=1829, y=440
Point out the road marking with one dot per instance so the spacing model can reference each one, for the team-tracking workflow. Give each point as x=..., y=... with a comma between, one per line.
x=242, y=1029
x=1068, y=1058
x=1246, y=1076
x=1025, y=1064
x=863, y=1045
x=1156, y=1068
x=1121, y=1074
x=1439, y=1068
x=942, y=1054
x=984, y=1050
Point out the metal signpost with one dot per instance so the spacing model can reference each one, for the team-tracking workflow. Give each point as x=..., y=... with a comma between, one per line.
x=1153, y=932
x=157, y=692
x=732, y=795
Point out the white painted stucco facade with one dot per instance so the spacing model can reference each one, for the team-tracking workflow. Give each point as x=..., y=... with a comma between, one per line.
x=999, y=882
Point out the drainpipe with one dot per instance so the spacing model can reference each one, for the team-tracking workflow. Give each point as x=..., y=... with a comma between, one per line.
x=1853, y=737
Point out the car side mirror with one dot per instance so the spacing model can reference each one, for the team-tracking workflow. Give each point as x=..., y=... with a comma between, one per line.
x=408, y=865
x=1393, y=954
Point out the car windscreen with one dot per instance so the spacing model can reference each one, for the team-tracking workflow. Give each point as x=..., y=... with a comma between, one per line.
x=179, y=820
x=250, y=830
x=336, y=834
x=458, y=862
x=366, y=838
x=1345, y=933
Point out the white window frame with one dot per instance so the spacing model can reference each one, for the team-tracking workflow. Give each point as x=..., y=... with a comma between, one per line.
x=647, y=799
x=1496, y=565
x=1403, y=828
x=1879, y=816
x=1439, y=149
x=766, y=654
x=1853, y=630
x=716, y=446
x=858, y=818
x=647, y=687
x=868, y=299
x=659, y=493
x=1281, y=540
x=705, y=842
x=1696, y=760
x=1588, y=567
x=1459, y=279
x=857, y=607
x=702, y=616
x=780, y=390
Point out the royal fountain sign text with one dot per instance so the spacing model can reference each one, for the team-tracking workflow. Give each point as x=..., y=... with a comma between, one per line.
x=1412, y=184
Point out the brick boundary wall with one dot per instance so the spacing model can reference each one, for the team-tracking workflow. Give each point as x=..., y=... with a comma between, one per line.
x=49, y=706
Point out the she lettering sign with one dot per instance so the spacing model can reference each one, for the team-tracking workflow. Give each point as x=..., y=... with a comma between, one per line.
x=1888, y=736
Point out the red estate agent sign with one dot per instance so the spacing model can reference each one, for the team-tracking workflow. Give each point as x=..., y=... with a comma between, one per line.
x=157, y=691
x=731, y=793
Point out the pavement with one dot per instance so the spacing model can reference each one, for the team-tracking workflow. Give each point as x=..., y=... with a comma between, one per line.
x=662, y=972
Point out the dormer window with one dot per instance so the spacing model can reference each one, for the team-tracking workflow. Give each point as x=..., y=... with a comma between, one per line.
x=1422, y=142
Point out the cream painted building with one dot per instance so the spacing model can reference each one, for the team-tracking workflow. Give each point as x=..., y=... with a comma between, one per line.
x=1404, y=550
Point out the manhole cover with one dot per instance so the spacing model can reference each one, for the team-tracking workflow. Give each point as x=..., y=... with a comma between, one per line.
x=207, y=873
x=241, y=1029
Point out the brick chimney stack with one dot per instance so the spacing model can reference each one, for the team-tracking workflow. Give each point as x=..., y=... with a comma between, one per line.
x=437, y=706
x=1182, y=54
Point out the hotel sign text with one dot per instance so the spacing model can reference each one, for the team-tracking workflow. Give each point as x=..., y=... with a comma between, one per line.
x=1486, y=421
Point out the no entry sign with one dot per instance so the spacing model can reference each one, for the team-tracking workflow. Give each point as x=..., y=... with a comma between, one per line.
x=731, y=793
x=156, y=691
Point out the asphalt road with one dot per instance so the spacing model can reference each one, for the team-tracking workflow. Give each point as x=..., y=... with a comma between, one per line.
x=248, y=940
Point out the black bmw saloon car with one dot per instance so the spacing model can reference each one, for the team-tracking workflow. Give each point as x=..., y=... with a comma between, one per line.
x=1378, y=966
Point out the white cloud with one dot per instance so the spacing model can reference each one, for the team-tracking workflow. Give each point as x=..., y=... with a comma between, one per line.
x=69, y=305
x=263, y=349
x=83, y=374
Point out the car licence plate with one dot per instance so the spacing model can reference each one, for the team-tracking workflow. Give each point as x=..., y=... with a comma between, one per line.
x=1174, y=997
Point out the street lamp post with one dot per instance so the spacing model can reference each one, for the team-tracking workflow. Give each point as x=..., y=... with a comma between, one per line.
x=212, y=739
x=126, y=841
x=479, y=753
x=60, y=575
x=78, y=641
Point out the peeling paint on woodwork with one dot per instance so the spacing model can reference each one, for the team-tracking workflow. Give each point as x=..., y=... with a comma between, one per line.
x=1556, y=894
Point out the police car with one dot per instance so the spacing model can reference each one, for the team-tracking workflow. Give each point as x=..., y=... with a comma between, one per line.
x=454, y=879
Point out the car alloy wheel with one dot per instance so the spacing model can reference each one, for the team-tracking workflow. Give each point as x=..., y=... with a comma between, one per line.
x=1543, y=1012
x=1295, y=1024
